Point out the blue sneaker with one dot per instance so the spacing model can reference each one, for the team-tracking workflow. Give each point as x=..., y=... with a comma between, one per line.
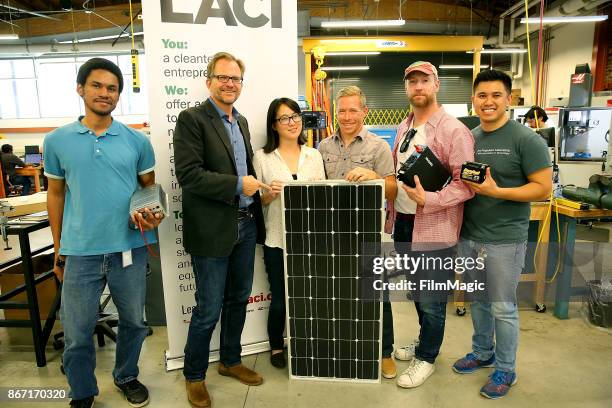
x=498, y=385
x=470, y=363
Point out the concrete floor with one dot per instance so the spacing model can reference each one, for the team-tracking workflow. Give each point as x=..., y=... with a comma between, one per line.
x=560, y=364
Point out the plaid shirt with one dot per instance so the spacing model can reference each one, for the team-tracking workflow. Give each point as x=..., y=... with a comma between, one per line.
x=439, y=221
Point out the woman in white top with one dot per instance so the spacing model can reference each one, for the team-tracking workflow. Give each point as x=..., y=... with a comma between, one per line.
x=285, y=157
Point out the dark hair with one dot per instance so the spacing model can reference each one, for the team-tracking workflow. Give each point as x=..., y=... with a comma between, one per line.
x=489, y=75
x=99, y=63
x=7, y=148
x=272, y=135
x=536, y=110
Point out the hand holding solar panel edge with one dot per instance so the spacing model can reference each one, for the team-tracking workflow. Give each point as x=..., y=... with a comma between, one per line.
x=326, y=224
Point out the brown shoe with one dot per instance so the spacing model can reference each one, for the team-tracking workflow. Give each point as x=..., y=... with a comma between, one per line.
x=241, y=373
x=197, y=394
x=388, y=367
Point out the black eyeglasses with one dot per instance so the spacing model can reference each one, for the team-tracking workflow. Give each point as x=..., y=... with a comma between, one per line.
x=410, y=133
x=225, y=79
x=284, y=120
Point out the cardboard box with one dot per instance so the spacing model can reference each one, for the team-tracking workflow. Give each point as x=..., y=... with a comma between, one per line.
x=12, y=277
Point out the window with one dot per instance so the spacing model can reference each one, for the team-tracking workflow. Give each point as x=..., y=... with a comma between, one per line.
x=46, y=87
x=18, y=89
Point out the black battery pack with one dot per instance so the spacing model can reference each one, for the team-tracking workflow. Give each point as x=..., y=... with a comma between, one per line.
x=433, y=176
x=474, y=172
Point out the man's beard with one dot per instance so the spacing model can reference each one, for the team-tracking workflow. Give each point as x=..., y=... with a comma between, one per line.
x=420, y=103
x=101, y=112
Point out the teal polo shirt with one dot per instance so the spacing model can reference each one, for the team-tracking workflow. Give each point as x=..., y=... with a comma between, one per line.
x=100, y=175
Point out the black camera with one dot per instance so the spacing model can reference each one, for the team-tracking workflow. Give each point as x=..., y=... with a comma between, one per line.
x=314, y=120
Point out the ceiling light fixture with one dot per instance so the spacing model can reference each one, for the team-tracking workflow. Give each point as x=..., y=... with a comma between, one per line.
x=564, y=19
x=362, y=23
x=351, y=53
x=105, y=37
x=9, y=37
x=347, y=68
x=501, y=51
x=461, y=66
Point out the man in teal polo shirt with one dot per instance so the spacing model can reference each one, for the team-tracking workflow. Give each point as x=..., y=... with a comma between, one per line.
x=94, y=166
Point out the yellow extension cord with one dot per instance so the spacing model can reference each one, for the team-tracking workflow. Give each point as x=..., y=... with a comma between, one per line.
x=551, y=198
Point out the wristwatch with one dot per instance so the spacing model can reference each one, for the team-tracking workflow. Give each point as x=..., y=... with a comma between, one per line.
x=60, y=262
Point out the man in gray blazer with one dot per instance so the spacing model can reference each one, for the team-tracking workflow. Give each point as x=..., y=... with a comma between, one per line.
x=222, y=222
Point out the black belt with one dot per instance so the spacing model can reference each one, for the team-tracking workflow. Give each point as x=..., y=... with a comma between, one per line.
x=244, y=213
x=404, y=217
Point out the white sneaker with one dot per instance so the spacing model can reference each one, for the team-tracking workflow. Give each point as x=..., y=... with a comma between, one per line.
x=406, y=353
x=416, y=374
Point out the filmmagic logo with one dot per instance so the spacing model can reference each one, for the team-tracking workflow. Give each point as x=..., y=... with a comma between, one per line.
x=430, y=285
x=232, y=15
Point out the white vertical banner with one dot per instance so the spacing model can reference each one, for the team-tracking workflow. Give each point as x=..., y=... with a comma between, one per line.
x=181, y=36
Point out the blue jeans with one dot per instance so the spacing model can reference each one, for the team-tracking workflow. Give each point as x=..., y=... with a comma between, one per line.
x=84, y=280
x=495, y=318
x=223, y=286
x=432, y=314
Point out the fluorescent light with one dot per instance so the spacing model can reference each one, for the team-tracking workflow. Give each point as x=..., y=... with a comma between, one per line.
x=346, y=40
x=501, y=51
x=106, y=37
x=362, y=23
x=350, y=53
x=347, y=68
x=461, y=66
x=564, y=19
x=9, y=37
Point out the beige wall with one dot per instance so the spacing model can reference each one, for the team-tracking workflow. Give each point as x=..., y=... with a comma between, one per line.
x=571, y=44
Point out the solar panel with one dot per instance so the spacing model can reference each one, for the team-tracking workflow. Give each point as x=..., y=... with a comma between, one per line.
x=332, y=231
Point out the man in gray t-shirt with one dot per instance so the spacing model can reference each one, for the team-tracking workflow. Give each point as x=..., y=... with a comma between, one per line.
x=513, y=152
x=9, y=162
x=495, y=224
x=354, y=154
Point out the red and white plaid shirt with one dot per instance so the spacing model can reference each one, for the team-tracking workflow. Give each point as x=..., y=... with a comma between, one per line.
x=439, y=221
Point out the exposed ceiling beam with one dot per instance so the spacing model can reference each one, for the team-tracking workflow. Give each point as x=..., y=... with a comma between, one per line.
x=20, y=10
x=104, y=17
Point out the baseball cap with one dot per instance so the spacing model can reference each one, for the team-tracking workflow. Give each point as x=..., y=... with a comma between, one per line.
x=421, y=66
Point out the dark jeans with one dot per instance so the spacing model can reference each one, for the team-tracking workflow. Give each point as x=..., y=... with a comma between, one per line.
x=21, y=180
x=387, y=333
x=432, y=315
x=275, y=268
x=223, y=286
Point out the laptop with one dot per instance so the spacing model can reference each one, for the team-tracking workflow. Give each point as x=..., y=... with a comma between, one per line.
x=33, y=158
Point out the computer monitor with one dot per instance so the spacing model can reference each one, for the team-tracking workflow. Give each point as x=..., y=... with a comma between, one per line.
x=32, y=149
x=33, y=158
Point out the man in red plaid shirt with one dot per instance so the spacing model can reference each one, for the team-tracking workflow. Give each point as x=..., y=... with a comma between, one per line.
x=430, y=218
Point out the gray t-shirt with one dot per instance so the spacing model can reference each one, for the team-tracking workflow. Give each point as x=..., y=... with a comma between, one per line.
x=9, y=162
x=513, y=152
x=367, y=150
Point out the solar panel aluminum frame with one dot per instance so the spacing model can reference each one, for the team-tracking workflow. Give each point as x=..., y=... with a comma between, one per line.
x=289, y=333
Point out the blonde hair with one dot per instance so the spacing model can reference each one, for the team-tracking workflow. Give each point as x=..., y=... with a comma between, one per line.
x=210, y=69
x=352, y=91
